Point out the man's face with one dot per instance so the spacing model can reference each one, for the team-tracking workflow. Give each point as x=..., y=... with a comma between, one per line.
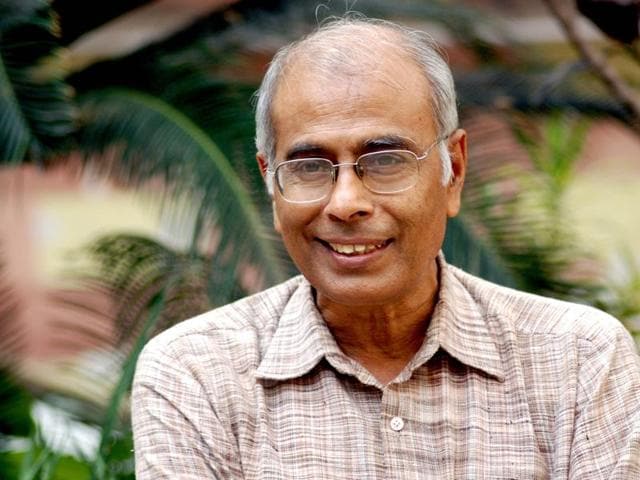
x=340, y=119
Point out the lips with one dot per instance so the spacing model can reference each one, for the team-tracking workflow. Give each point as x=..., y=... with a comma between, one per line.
x=355, y=249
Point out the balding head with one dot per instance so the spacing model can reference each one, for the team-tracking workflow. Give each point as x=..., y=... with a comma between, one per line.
x=355, y=47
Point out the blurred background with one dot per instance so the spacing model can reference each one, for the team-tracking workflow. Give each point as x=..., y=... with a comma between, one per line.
x=130, y=200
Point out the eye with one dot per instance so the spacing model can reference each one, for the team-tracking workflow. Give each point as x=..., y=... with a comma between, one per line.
x=311, y=166
x=305, y=170
x=386, y=162
x=385, y=159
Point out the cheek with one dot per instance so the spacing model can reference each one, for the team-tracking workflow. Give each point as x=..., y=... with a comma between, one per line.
x=426, y=221
x=290, y=220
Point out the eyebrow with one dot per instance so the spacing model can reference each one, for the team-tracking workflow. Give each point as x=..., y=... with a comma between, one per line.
x=394, y=142
x=305, y=150
x=384, y=142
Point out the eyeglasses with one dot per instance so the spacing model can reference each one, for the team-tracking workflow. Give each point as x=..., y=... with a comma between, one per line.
x=308, y=180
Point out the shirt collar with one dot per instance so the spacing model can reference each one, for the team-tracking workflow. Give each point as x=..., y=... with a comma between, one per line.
x=300, y=341
x=458, y=326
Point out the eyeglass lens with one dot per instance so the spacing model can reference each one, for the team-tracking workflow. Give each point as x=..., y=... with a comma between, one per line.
x=311, y=179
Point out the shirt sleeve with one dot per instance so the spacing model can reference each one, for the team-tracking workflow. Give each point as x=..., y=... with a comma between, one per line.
x=177, y=434
x=607, y=434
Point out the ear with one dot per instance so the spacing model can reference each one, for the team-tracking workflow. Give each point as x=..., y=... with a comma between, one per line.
x=458, y=152
x=263, y=164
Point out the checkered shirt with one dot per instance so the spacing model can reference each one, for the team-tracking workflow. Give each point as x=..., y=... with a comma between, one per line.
x=506, y=385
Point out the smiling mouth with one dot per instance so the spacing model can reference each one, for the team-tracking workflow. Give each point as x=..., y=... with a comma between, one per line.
x=355, y=249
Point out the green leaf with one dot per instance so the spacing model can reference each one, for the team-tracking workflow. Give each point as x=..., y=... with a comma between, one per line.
x=36, y=112
x=466, y=249
x=134, y=269
x=109, y=446
x=15, y=407
x=508, y=209
x=152, y=141
x=41, y=463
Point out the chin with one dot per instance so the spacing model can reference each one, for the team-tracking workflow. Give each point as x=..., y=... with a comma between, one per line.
x=357, y=291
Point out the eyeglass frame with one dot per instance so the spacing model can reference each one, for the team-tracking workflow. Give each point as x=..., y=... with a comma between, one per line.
x=335, y=167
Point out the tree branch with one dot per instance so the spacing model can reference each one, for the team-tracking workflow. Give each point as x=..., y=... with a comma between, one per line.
x=566, y=15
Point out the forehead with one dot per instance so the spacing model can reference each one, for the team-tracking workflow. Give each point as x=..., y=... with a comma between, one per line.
x=367, y=94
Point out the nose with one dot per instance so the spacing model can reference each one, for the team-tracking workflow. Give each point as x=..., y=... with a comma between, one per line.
x=350, y=200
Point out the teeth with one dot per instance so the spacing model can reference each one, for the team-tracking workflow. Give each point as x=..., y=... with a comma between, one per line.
x=355, y=249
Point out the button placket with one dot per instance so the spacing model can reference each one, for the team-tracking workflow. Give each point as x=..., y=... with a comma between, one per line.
x=390, y=406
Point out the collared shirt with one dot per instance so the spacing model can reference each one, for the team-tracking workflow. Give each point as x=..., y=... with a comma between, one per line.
x=506, y=385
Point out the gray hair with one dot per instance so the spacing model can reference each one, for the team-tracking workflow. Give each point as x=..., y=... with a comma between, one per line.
x=328, y=40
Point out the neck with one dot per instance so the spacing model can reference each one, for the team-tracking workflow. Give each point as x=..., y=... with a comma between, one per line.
x=382, y=338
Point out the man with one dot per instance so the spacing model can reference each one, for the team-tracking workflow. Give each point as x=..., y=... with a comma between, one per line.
x=380, y=361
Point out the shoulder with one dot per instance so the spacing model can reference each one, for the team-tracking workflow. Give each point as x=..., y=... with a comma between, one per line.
x=239, y=331
x=529, y=314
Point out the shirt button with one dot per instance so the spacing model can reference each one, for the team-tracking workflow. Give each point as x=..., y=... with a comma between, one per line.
x=396, y=424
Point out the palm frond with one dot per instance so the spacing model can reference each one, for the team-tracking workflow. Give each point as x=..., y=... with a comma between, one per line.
x=533, y=92
x=466, y=249
x=36, y=113
x=136, y=269
x=553, y=148
x=107, y=451
x=212, y=102
x=516, y=210
x=155, y=141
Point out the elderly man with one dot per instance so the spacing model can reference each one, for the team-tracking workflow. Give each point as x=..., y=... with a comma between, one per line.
x=380, y=361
